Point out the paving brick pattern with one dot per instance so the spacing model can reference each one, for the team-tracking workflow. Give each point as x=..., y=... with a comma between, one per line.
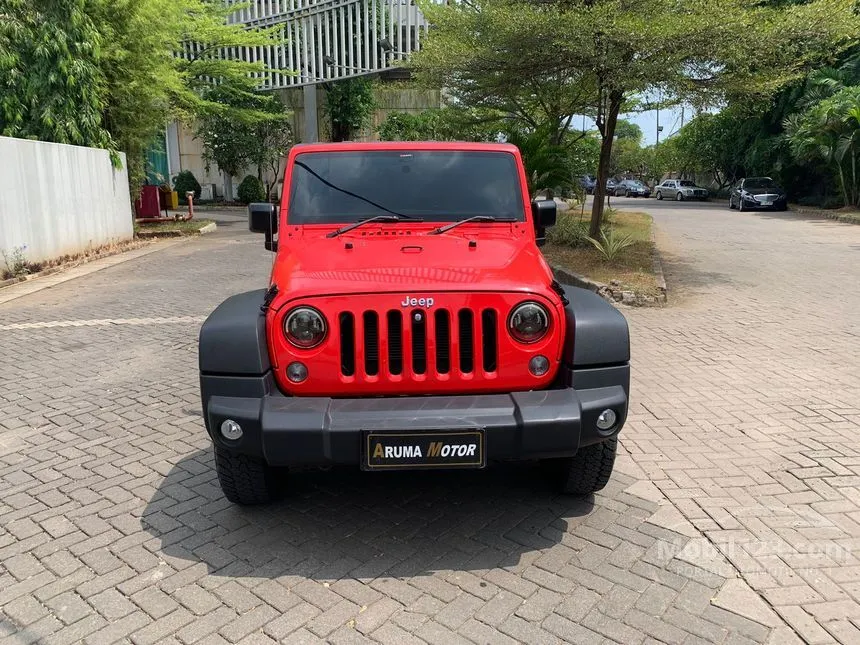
x=732, y=518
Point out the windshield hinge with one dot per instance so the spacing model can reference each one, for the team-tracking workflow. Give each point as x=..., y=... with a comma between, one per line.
x=556, y=286
x=269, y=297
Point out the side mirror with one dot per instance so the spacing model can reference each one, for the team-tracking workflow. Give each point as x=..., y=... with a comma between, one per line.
x=262, y=218
x=544, y=215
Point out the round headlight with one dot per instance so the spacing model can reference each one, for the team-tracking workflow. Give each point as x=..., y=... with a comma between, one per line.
x=528, y=322
x=304, y=327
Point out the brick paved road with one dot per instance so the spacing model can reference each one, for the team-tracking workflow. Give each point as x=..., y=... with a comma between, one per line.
x=733, y=516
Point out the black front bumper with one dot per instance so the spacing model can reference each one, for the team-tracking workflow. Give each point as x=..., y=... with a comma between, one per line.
x=320, y=431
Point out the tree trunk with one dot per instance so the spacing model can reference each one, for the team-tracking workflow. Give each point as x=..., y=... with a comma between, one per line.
x=228, y=186
x=608, y=134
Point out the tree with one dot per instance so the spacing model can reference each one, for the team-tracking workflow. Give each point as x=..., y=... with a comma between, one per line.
x=547, y=164
x=441, y=124
x=113, y=73
x=52, y=70
x=273, y=140
x=349, y=104
x=237, y=134
x=628, y=130
x=607, y=54
x=830, y=130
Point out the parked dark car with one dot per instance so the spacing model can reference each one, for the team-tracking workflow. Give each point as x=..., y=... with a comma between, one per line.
x=757, y=193
x=588, y=182
x=631, y=188
x=680, y=189
x=611, y=184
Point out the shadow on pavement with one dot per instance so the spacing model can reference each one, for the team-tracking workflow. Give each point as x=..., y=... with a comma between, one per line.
x=344, y=521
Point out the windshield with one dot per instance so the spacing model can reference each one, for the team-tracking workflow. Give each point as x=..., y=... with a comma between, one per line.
x=756, y=183
x=435, y=185
x=689, y=184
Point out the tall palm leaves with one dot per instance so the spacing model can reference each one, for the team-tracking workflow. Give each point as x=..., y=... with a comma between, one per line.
x=829, y=129
x=547, y=164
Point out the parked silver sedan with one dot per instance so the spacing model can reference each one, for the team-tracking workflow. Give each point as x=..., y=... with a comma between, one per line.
x=680, y=189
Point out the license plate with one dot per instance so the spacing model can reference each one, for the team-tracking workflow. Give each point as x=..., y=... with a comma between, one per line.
x=423, y=449
x=766, y=202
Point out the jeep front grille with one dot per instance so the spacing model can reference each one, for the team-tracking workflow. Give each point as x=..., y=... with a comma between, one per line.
x=418, y=342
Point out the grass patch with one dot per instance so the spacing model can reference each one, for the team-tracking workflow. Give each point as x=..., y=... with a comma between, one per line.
x=634, y=266
x=191, y=227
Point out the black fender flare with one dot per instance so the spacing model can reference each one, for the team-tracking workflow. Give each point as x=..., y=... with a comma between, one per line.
x=233, y=338
x=596, y=333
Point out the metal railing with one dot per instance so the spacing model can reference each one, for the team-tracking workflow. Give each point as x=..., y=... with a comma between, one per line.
x=331, y=39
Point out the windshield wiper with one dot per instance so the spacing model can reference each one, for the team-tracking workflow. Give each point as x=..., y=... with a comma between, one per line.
x=378, y=218
x=476, y=218
x=350, y=193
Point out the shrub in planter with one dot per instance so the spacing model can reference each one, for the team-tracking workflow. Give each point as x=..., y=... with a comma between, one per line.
x=568, y=231
x=251, y=190
x=184, y=182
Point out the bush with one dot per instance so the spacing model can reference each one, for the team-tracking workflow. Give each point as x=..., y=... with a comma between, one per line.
x=820, y=201
x=568, y=231
x=611, y=245
x=251, y=190
x=184, y=182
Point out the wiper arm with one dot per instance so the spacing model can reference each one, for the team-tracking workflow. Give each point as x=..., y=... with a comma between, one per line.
x=476, y=218
x=378, y=218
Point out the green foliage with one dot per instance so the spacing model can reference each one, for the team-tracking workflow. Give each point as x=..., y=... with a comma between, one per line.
x=106, y=73
x=765, y=137
x=830, y=131
x=569, y=230
x=627, y=130
x=251, y=190
x=611, y=245
x=441, y=124
x=184, y=182
x=260, y=136
x=349, y=105
x=547, y=164
x=540, y=61
x=53, y=73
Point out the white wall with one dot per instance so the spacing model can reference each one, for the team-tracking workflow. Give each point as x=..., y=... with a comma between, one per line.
x=58, y=199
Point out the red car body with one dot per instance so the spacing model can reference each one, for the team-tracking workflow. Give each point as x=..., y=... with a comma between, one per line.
x=477, y=266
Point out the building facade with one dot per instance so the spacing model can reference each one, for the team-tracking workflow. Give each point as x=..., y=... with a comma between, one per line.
x=322, y=41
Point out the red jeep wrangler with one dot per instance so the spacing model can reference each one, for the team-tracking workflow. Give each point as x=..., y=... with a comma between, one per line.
x=411, y=322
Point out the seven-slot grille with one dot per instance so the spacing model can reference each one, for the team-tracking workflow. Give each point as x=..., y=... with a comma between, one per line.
x=418, y=342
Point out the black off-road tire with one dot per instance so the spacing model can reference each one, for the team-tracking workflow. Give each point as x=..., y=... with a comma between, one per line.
x=588, y=471
x=244, y=479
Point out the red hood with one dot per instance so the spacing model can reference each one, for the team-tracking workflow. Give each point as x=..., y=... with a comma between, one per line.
x=409, y=262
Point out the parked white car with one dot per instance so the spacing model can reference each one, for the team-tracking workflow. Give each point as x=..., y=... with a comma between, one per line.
x=680, y=189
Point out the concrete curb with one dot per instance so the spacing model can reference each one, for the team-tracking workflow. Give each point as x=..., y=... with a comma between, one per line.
x=50, y=278
x=612, y=293
x=148, y=235
x=658, y=268
x=846, y=218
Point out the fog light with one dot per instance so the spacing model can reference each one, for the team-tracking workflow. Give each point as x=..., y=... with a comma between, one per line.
x=539, y=365
x=231, y=430
x=606, y=420
x=297, y=372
